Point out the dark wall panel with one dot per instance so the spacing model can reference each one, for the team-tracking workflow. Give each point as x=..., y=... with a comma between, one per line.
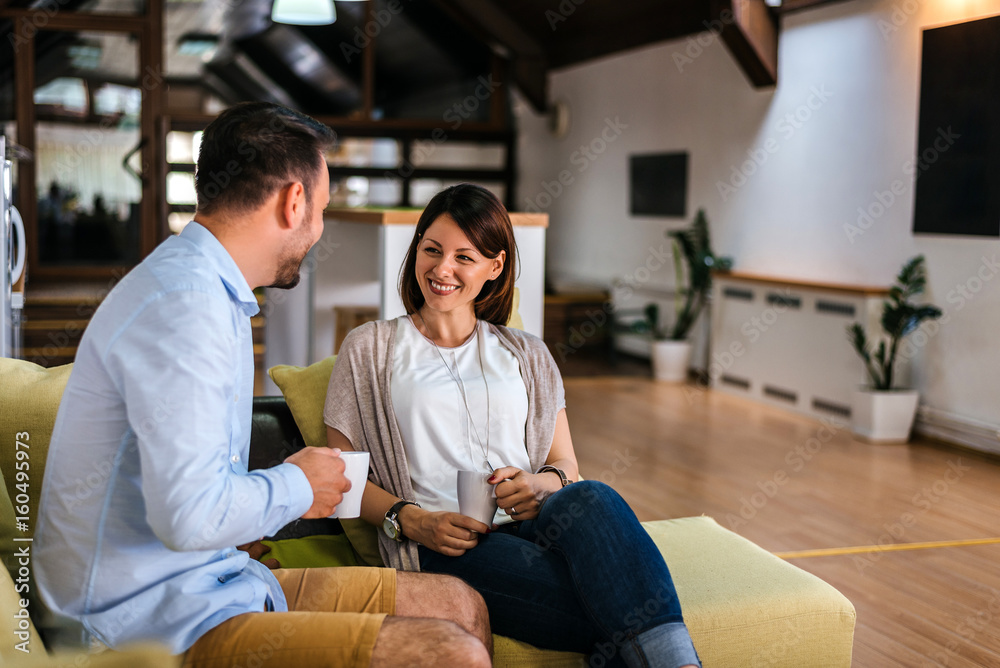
x=957, y=165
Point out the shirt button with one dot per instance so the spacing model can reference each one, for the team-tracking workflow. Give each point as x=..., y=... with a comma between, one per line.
x=236, y=399
x=235, y=458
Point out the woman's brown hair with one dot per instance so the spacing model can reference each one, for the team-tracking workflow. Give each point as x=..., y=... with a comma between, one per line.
x=484, y=220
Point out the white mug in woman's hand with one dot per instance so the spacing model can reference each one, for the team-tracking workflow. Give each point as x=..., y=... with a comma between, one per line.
x=477, y=498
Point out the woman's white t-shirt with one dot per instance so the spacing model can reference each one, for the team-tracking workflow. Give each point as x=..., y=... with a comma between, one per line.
x=439, y=438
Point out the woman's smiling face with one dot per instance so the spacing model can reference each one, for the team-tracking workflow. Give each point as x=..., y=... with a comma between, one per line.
x=449, y=268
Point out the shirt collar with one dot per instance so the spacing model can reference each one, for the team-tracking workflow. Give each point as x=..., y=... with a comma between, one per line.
x=237, y=286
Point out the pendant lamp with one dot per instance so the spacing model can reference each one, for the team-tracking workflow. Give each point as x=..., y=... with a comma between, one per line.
x=304, y=12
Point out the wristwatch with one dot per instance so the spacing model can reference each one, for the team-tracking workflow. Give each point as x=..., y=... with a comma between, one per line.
x=562, y=474
x=390, y=525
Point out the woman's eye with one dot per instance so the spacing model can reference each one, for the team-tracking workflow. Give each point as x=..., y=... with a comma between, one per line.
x=466, y=258
x=430, y=249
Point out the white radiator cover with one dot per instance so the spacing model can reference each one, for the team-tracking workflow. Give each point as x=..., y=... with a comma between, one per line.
x=786, y=344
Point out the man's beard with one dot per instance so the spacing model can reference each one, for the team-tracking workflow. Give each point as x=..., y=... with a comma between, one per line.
x=288, y=276
x=290, y=268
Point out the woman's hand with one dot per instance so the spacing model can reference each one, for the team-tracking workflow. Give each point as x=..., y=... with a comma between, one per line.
x=451, y=534
x=256, y=550
x=523, y=492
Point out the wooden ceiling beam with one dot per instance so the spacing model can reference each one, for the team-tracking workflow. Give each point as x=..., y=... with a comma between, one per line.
x=494, y=27
x=795, y=5
x=750, y=30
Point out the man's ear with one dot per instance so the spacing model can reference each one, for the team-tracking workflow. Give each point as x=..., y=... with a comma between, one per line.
x=293, y=204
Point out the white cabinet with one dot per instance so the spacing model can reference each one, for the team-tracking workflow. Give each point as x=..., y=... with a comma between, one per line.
x=785, y=342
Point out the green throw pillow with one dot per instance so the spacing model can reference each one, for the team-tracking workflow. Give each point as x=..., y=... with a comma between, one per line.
x=304, y=389
x=312, y=552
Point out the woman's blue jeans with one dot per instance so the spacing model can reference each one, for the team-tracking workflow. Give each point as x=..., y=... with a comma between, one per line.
x=584, y=576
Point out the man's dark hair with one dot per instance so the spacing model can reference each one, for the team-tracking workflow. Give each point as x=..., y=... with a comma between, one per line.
x=485, y=221
x=254, y=148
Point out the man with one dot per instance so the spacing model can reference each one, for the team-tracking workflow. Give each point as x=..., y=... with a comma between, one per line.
x=146, y=490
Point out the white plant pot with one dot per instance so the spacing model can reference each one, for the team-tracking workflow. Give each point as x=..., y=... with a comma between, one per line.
x=671, y=360
x=879, y=416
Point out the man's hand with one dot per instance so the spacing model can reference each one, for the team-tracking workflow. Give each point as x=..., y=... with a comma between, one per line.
x=325, y=471
x=256, y=550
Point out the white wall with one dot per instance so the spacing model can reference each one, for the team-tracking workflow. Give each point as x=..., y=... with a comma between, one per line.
x=840, y=127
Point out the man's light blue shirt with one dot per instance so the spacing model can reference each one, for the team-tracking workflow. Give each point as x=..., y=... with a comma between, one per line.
x=146, y=489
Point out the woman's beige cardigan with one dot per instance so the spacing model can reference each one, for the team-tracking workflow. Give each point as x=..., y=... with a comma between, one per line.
x=358, y=404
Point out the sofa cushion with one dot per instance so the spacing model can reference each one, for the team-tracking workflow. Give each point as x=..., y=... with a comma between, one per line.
x=20, y=639
x=746, y=607
x=743, y=605
x=8, y=529
x=30, y=396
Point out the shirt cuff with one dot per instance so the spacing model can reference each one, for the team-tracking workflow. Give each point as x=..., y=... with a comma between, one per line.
x=298, y=490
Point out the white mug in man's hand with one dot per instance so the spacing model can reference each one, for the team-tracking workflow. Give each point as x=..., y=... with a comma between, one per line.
x=355, y=470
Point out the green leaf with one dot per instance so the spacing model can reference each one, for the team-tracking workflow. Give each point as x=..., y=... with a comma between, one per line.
x=694, y=245
x=900, y=316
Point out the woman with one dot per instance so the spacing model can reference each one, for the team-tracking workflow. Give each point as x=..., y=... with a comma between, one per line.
x=448, y=387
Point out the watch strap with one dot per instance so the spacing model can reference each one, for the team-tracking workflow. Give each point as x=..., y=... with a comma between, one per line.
x=392, y=516
x=393, y=512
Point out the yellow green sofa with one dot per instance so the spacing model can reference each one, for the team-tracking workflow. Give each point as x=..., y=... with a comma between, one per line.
x=743, y=605
x=29, y=397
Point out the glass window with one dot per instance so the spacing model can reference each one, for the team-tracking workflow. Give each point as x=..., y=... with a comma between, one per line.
x=177, y=221
x=362, y=191
x=182, y=147
x=422, y=190
x=115, y=100
x=131, y=7
x=364, y=153
x=428, y=153
x=180, y=188
x=87, y=105
x=65, y=96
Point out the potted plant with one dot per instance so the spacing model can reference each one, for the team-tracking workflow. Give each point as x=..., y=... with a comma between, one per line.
x=692, y=248
x=881, y=413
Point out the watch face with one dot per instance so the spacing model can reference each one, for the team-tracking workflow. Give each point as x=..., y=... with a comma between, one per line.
x=389, y=527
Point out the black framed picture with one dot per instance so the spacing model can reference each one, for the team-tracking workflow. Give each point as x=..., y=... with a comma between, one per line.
x=957, y=165
x=658, y=184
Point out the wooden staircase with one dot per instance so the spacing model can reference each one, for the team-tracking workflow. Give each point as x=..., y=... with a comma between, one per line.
x=55, y=317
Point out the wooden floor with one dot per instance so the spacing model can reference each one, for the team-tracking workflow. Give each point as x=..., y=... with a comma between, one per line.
x=790, y=483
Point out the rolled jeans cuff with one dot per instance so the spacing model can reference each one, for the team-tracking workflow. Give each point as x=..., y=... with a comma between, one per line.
x=667, y=646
